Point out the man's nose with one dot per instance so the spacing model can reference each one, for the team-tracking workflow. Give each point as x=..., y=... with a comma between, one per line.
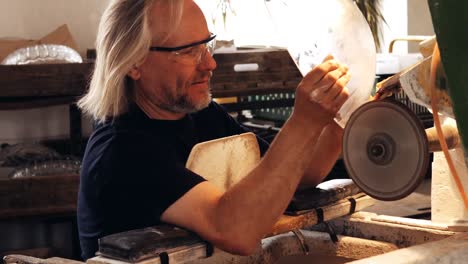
x=207, y=62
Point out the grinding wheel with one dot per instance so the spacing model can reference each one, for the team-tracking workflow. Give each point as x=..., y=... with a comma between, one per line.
x=385, y=149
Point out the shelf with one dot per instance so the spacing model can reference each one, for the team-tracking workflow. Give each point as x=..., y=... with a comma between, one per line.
x=31, y=82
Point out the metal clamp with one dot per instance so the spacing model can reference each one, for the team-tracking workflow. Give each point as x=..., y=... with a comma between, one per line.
x=301, y=238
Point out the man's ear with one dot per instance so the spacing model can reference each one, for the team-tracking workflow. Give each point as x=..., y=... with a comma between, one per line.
x=134, y=73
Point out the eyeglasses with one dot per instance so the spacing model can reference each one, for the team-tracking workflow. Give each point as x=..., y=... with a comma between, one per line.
x=190, y=54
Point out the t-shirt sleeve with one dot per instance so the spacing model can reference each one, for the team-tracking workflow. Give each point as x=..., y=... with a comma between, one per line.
x=143, y=177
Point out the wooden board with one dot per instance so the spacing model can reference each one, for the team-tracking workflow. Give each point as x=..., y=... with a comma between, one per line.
x=341, y=208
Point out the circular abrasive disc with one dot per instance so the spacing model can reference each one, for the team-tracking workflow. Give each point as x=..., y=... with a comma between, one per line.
x=385, y=149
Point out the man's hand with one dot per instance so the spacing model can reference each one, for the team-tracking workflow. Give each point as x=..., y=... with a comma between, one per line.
x=322, y=92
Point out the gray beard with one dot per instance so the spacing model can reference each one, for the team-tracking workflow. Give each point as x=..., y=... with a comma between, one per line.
x=182, y=104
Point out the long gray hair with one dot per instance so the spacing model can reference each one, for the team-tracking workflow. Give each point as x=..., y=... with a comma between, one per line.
x=123, y=40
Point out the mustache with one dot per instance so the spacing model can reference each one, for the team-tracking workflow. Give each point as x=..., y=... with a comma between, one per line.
x=203, y=77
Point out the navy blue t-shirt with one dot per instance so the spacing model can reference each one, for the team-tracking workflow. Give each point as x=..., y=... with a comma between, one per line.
x=134, y=169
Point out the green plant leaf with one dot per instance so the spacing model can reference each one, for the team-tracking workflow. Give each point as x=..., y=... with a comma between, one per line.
x=371, y=10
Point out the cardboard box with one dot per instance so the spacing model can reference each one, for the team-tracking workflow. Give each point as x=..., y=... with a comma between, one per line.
x=60, y=36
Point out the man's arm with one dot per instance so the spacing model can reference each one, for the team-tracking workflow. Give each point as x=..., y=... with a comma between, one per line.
x=238, y=219
x=329, y=145
x=327, y=151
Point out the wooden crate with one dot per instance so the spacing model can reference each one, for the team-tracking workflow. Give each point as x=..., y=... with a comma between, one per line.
x=28, y=86
x=41, y=195
x=276, y=73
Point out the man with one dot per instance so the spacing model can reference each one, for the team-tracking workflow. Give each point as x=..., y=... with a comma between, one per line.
x=151, y=98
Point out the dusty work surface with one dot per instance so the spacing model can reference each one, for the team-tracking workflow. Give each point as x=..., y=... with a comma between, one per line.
x=415, y=205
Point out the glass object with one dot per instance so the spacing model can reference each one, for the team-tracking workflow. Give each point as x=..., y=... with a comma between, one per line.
x=312, y=29
x=42, y=54
x=34, y=159
x=25, y=153
x=48, y=168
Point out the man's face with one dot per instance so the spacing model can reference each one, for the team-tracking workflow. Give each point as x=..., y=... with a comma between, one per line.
x=165, y=81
